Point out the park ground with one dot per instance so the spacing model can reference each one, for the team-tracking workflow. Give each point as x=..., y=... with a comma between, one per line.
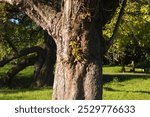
x=117, y=85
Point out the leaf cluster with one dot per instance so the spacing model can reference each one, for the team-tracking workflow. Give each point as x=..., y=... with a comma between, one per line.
x=76, y=51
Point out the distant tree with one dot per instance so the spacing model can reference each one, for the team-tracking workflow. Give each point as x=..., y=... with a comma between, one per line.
x=133, y=35
x=16, y=28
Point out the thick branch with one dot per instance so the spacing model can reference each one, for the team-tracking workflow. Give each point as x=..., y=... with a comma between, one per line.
x=108, y=10
x=39, y=11
x=111, y=40
x=19, y=67
x=24, y=52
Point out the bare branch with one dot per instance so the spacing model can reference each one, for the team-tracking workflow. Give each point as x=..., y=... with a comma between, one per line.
x=113, y=37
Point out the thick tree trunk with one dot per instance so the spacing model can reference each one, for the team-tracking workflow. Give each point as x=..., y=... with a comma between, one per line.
x=79, y=65
x=83, y=81
x=44, y=68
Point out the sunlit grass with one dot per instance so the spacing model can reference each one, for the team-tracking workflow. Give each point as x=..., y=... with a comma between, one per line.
x=119, y=87
x=113, y=69
x=28, y=71
x=117, y=69
x=125, y=86
x=134, y=89
x=26, y=94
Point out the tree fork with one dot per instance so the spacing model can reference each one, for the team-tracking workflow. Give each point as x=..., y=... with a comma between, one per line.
x=79, y=78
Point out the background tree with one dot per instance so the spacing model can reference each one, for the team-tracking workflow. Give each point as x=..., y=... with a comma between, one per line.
x=133, y=35
x=17, y=28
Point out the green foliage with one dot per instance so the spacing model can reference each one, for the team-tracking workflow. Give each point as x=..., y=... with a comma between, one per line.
x=18, y=29
x=143, y=64
x=2, y=13
x=133, y=35
x=76, y=50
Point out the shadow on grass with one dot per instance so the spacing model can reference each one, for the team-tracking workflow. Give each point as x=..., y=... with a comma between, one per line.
x=114, y=90
x=123, y=77
x=19, y=82
x=24, y=82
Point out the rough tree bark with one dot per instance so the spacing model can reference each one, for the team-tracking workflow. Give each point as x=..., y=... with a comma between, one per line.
x=78, y=71
x=44, y=67
x=80, y=49
x=76, y=26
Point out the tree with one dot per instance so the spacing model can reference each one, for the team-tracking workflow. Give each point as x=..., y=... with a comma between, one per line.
x=131, y=45
x=16, y=28
x=76, y=26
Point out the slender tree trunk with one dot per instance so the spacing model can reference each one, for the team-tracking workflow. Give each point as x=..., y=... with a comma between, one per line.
x=79, y=64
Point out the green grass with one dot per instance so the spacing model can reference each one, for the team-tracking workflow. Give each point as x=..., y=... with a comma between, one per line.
x=117, y=69
x=19, y=89
x=22, y=80
x=125, y=86
x=117, y=86
x=26, y=94
x=112, y=69
x=136, y=88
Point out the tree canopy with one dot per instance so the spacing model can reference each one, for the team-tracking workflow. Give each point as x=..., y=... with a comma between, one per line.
x=133, y=35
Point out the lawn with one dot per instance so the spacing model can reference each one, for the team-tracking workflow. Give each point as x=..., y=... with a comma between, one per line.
x=117, y=86
x=25, y=94
x=136, y=88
